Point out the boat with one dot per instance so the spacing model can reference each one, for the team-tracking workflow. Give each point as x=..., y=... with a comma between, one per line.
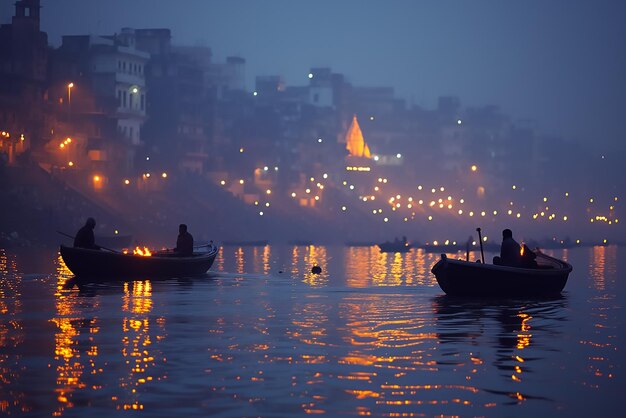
x=113, y=265
x=465, y=278
x=394, y=247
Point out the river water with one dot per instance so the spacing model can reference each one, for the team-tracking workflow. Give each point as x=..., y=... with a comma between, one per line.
x=373, y=335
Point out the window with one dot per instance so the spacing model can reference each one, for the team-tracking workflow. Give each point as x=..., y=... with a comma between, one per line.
x=143, y=102
x=124, y=99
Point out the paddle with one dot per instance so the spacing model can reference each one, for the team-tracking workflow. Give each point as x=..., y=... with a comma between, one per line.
x=480, y=238
x=104, y=248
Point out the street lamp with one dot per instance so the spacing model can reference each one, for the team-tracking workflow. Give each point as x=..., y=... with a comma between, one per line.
x=69, y=93
x=69, y=99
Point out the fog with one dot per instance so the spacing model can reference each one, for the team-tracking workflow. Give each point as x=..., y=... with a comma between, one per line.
x=491, y=114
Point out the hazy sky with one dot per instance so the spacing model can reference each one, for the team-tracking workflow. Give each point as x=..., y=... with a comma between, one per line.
x=560, y=63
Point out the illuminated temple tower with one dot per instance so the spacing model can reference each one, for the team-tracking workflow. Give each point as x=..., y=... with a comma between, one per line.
x=355, y=143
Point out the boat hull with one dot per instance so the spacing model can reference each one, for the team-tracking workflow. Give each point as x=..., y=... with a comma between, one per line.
x=392, y=247
x=463, y=278
x=113, y=265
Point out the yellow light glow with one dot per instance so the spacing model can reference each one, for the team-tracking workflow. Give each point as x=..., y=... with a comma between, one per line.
x=474, y=168
x=164, y=175
x=241, y=181
x=71, y=164
x=268, y=191
x=223, y=182
x=293, y=194
x=96, y=178
x=126, y=181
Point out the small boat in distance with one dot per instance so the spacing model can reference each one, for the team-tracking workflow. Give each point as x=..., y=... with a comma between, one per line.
x=113, y=265
x=465, y=278
x=395, y=246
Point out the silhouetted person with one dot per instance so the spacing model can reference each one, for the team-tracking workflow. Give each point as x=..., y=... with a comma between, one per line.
x=84, y=237
x=509, y=251
x=184, y=243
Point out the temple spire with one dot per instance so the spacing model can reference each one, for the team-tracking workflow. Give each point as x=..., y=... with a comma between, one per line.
x=355, y=144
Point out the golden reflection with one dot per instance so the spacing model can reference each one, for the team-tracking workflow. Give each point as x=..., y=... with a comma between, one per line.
x=367, y=266
x=239, y=262
x=602, y=264
x=70, y=367
x=137, y=341
x=219, y=260
x=523, y=338
x=316, y=256
x=266, y=259
x=596, y=266
x=12, y=335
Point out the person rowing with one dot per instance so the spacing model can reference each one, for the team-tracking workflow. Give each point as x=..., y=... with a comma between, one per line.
x=85, y=237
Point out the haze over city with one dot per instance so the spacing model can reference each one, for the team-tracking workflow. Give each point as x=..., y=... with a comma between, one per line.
x=558, y=65
x=374, y=119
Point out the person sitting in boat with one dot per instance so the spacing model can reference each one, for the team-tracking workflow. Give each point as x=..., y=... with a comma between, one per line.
x=85, y=237
x=184, y=243
x=509, y=251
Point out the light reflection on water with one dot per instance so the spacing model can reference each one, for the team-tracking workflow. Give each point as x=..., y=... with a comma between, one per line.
x=261, y=335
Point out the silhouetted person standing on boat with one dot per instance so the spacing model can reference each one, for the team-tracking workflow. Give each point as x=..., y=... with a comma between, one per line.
x=510, y=250
x=84, y=237
x=184, y=243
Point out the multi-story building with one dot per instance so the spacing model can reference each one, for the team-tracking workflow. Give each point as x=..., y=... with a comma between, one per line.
x=107, y=72
x=23, y=71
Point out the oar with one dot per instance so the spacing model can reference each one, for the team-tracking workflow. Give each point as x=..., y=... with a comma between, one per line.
x=104, y=248
x=480, y=238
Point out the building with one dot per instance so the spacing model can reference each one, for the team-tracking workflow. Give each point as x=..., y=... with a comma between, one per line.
x=106, y=94
x=23, y=72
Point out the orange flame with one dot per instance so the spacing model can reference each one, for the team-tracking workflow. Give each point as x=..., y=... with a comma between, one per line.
x=142, y=251
x=521, y=249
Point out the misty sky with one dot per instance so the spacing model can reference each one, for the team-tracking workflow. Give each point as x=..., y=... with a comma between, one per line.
x=560, y=63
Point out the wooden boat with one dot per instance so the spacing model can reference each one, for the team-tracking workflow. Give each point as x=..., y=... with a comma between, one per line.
x=394, y=247
x=116, y=265
x=465, y=278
